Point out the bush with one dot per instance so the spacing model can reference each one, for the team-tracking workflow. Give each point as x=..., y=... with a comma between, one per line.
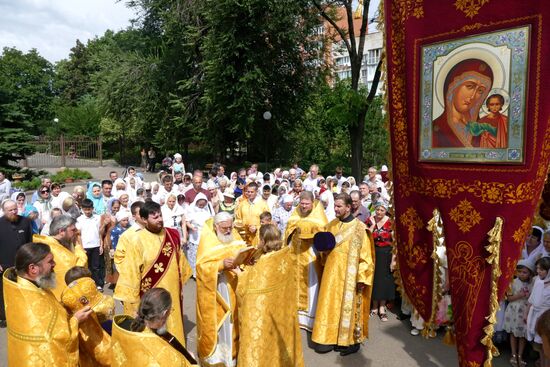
x=75, y=174
x=28, y=185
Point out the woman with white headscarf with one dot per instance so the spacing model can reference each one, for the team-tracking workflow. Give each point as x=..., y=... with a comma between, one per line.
x=173, y=216
x=197, y=214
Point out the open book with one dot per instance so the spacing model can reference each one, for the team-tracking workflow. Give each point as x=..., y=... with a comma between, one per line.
x=245, y=255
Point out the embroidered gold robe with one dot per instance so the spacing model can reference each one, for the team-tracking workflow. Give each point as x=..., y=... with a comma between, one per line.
x=64, y=260
x=139, y=258
x=94, y=343
x=349, y=263
x=269, y=335
x=307, y=267
x=40, y=332
x=125, y=241
x=248, y=214
x=143, y=349
x=217, y=330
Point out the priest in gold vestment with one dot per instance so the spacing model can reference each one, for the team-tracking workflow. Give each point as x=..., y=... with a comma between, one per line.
x=154, y=259
x=40, y=332
x=247, y=214
x=269, y=335
x=342, y=318
x=66, y=252
x=217, y=322
x=309, y=217
x=143, y=341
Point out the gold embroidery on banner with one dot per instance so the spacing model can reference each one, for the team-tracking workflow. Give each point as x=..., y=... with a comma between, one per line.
x=470, y=8
x=465, y=216
x=420, y=292
x=466, y=276
x=414, y=254
x=488, y=192
x=521, y=233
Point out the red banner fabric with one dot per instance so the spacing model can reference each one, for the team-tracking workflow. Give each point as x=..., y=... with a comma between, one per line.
x=470, y=136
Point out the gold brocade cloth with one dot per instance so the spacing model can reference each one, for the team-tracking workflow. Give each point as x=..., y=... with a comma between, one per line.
x=40, y=332
x=269, y=334
x=307, y=267
x=337, y=305
x=248, y=214
x=64, y=260
x=143, y=349
x=139, y=257
x=212, y=307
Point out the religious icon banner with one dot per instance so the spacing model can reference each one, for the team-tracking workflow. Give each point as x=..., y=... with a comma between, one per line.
x=470, y=137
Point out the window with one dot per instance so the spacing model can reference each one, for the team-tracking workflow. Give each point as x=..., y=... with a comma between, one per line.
x=373, y=56
x=342, y=61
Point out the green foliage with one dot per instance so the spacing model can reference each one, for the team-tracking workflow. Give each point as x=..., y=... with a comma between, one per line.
x=323, y=136
x=28, y=185
x=75, y=174
x=81, y=118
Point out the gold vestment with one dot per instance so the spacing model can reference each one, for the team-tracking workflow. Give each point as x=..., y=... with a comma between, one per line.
x=139, y=257
x=269, y=335
x=216, y=302
x=143, y=349
x=64, y=260
x=248, y=214
x=307, y=267
x=40, y=332
x=349, y=263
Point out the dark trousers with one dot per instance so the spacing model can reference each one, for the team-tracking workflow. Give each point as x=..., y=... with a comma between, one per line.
x=2, y=307
x=93, y=265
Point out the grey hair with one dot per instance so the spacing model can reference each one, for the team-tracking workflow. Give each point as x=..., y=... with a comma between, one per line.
x=222, y=217
x=6, y=201
x=60, y=223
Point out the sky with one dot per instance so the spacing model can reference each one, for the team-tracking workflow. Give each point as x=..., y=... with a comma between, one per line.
x=53, y=26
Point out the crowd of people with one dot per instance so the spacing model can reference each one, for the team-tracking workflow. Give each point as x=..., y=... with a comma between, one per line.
x=249, y=240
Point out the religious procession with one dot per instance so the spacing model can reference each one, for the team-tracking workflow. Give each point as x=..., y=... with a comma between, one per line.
x=299, y=260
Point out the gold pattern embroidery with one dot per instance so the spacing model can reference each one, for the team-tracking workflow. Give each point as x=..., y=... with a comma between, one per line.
x=282, y=267
x=470, y=7
x=467, y=272
x=167, y=249
x=413, y=254
x=145, y=284
x=420, y=290
x=159, y=268
x=465, y=216
x=521, y=233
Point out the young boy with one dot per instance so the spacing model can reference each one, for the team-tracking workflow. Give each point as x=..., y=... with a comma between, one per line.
x=88, y=224
x=497, y=120
x=265, y=218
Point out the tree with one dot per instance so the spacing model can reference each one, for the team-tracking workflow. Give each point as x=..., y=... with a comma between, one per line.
x=354, y=45
x=257, y=56
x=28, y=81
x=74, y=74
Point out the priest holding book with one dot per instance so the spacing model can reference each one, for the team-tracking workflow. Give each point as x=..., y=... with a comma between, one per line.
x=217, y=323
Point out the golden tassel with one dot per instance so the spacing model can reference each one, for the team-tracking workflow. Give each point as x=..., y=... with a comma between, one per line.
x=449, y=338
x=434, y=226
x=493, y=248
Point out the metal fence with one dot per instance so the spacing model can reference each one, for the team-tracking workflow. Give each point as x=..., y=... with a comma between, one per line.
x=81, y=151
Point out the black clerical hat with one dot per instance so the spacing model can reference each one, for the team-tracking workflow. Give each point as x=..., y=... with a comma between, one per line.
x=324, y=241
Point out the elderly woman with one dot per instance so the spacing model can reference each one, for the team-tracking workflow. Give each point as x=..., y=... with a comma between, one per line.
x=173, y=216
x=383, y=290
x=43, y=205
x=197, y=215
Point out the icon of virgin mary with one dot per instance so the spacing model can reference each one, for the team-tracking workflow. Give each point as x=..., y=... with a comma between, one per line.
x=466, y=86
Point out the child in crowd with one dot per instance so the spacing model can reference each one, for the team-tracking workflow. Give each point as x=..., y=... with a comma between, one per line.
x=539, y=301
x=123, y=223
x=514, y=316
x=89, y=224
x=265, y=218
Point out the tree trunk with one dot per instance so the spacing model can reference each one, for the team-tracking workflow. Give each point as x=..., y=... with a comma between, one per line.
x=356, y=132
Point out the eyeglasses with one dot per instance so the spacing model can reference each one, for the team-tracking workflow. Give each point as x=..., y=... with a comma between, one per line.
x=45, y=191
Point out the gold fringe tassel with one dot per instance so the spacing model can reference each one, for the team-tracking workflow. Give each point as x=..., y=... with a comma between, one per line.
x=493, y=248
x=449, y=338
x=434, y=226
